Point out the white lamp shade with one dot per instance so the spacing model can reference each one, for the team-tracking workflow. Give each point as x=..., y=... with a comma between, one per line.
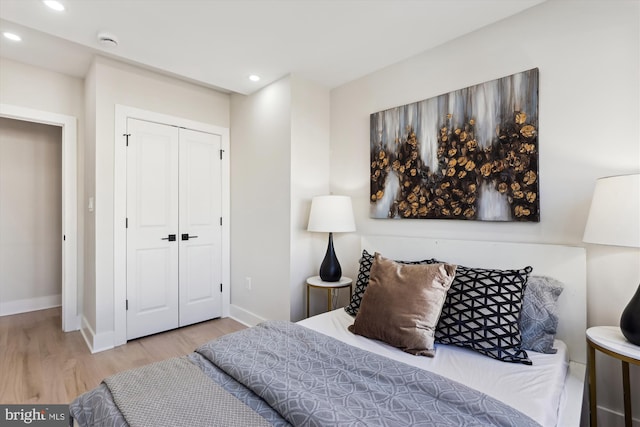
x=332, y=214
x=614, y=216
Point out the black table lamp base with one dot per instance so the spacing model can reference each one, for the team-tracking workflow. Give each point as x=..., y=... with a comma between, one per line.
x=630, y=320
x=330, y=270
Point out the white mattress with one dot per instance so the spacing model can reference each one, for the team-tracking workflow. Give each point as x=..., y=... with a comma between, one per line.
x=534, y=390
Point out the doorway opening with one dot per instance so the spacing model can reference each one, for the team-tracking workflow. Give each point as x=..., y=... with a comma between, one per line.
x=69, y=226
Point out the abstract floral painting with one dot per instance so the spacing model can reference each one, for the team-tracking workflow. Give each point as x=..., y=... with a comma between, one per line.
x=469, y=154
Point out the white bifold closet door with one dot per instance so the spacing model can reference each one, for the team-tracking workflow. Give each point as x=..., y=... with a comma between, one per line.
x=174, y=256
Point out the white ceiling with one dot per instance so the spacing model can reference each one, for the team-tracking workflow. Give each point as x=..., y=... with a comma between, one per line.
x=219, y=43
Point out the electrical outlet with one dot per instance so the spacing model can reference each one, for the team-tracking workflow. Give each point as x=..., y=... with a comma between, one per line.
x=247, y=283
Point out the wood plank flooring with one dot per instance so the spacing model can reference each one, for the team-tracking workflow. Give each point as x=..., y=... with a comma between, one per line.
x=41, y=364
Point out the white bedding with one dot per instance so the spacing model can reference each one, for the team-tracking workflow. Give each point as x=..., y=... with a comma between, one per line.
x=535, y=390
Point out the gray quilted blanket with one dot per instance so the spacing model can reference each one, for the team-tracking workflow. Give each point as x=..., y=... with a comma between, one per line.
x=314, y=380
x=290, y=374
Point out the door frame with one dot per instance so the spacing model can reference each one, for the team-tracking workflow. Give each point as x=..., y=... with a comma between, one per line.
x=68, y=125
x=122, y=113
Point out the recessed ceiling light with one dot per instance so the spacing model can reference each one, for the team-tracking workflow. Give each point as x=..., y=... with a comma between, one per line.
x=55, y=5
x=12, y=36
x=254, y=77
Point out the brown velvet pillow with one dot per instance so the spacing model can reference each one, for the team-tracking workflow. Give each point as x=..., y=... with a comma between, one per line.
x=402, y=304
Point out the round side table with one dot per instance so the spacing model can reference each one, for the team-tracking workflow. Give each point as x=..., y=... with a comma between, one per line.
x=609, y=340
x=316, y=282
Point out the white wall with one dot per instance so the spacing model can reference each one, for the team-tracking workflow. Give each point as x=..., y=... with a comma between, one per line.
x=39, y=89
x=588, y=54
x=310, y=123
x=88, y=309
x=33, y=87
x=260, y=202
x=30, y=216
x=279, y=161
x=109, y=83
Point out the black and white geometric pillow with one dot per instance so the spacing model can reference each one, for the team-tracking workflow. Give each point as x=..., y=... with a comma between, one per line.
x=361, y=283
x=482, y=310
x=363, y=280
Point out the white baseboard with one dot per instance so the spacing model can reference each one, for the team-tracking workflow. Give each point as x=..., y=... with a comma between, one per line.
x=29, y=304
x=96, y=342
x=610, y=418
x=245, y=317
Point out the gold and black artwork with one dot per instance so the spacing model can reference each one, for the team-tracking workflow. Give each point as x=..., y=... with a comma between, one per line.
x=469, y=154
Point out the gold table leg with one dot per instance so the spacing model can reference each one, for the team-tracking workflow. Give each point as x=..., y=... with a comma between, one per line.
x=626, y=386
x=591, y=356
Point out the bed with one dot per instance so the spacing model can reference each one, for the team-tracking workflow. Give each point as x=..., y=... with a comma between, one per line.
x=323, y=374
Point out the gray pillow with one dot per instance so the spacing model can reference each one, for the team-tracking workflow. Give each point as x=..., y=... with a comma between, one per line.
x=539, y=315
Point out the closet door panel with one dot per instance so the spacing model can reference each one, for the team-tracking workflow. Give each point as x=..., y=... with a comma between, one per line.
x=200, y=230
x=152, y=216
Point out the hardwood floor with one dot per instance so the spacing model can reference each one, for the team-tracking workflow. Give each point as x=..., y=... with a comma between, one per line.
x=41, y=364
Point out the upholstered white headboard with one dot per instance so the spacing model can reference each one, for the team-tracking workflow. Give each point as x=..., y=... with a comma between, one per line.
x=564, y=263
